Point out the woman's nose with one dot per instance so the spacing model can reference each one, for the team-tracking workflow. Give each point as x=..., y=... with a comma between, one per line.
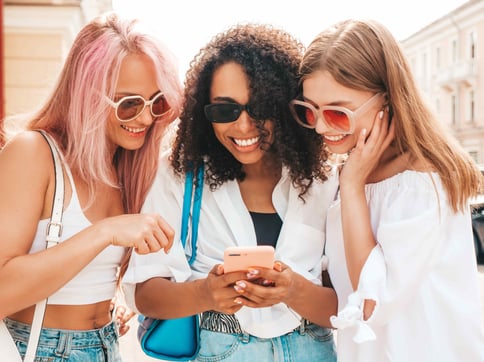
x=245, y=121
x=321, y=127
x=146, y=118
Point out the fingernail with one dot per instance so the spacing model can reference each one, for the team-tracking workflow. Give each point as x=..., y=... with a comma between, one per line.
x=238, y=289
x=237, y=301
x=381, y=114
x=252, y=273
x=240, y=283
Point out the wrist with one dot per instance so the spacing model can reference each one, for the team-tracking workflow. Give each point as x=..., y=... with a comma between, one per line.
x=202, y=296
x=295, y=291
x=105, y=234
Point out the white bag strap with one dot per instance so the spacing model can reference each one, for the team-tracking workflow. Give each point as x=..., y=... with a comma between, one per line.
x=54, y=231
x=7, y=344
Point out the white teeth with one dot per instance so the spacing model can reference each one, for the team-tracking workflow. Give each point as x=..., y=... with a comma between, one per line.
x=334, y=138
x=133, y=130
x=246, y=142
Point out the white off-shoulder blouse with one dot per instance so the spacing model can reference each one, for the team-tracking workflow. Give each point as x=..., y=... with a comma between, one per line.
x=422, y=274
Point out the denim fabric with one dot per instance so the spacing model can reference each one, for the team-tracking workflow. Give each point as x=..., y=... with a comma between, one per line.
x=58, y=345
x=314, y=343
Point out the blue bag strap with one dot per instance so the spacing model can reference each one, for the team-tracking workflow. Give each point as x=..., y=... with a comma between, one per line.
x=187, y=202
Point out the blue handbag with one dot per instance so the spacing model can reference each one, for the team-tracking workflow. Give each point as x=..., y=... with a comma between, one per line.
x=177, y=339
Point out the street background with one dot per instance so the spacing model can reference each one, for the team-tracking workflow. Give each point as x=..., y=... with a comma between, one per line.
x=304, y=19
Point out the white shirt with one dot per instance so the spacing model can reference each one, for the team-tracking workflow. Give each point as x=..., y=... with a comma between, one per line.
x=225, y=221
x=422, y=274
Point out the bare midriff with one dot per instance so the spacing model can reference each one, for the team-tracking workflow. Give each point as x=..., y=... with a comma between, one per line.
x=72, y=317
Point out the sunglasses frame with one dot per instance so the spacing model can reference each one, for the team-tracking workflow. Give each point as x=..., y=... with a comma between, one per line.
x=318, y=112
x=150, y=102
x=207, y=109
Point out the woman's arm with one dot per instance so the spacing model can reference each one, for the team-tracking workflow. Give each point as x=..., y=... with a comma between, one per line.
x=355, y=215
x=26, y=189
x=161, y=298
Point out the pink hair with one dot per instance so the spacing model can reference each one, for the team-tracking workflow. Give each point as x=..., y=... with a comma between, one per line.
x=76, y=113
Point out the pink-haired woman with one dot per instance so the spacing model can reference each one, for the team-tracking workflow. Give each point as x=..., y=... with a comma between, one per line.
x=117, y=92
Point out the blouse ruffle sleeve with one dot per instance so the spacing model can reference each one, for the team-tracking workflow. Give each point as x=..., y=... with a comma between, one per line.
x=408, y=221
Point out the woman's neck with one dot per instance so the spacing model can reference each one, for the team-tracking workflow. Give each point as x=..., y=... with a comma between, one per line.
x=391, y=163
x=258, y=185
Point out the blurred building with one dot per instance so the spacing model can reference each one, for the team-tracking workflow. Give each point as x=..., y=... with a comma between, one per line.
x=37, y=35
x=447, y=58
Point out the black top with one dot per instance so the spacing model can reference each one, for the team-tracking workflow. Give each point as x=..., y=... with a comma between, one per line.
x=267, y=227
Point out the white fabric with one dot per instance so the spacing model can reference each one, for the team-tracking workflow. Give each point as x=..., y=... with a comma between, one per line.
x=422, y=274
x=225, y=221
x=8, y=348
x=96, y=282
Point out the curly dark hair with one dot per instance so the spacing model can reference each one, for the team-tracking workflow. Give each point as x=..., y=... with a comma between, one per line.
x=270, y=58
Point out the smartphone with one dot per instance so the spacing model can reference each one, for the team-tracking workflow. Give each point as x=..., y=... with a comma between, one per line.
x=237, y=258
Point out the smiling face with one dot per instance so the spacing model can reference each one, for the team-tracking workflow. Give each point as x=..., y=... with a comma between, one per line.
x=136, y=77
x=240, y=137
x=321, y=89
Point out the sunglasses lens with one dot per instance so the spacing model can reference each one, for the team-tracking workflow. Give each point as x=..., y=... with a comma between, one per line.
x=222, y=112
x=337, y=119
x=304, y=115
x=159, y=106
x=130, y=108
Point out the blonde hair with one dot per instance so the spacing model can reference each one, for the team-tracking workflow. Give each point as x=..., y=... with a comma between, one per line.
x=364, y=55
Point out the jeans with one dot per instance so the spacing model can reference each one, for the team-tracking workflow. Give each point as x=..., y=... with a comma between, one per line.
x=58, y=345
x=312, y=344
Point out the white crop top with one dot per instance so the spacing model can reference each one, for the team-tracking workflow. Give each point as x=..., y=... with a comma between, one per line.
x=97, y=281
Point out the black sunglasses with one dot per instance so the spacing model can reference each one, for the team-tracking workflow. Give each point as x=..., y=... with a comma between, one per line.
x=225, y=112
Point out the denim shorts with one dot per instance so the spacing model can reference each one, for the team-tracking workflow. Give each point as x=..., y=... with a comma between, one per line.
x=314, y=343
x=59, y=345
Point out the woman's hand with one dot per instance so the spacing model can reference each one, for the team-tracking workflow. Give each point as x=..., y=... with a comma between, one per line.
x=145, y=233
x=265, y=287
x=364, y=158
x=220, y=290
x=122, y=315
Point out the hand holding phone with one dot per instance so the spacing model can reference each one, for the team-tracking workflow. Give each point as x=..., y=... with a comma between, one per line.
x=241, y=258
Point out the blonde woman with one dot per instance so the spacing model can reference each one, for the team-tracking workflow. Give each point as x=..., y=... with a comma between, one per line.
x=399, y=236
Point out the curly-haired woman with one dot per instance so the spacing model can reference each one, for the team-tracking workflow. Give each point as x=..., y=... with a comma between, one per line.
x=265, y=184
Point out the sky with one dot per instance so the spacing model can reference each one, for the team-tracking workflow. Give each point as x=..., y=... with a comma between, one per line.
x=187, y=25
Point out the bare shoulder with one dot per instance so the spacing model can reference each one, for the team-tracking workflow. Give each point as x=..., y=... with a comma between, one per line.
x=27, y=179
x=26, y=155
x=27, y=145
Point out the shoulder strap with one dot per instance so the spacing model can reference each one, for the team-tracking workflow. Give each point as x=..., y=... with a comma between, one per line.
x=54, y=227
x=54, y=231
x=187, y=202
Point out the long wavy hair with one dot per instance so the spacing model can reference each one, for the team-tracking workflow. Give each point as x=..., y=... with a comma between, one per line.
x=270, y=58
x=363, y=55
x=76, y=112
